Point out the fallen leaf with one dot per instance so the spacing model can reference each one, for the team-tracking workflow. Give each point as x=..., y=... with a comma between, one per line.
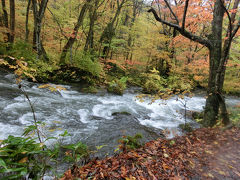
x=165, y=155
x=23, y=160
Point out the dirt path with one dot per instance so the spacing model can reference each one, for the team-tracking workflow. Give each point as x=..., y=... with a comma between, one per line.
x=203, y=154
x=220, y=156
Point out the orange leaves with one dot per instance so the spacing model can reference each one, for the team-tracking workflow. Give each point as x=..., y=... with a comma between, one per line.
x=234, y=11
x=123, y=171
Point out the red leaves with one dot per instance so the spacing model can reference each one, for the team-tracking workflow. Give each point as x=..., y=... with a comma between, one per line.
x=163, y=159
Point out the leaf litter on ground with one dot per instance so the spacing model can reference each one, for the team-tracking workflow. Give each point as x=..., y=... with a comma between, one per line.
x=206, y=153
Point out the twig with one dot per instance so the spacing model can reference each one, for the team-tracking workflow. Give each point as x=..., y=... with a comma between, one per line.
x=33, y=112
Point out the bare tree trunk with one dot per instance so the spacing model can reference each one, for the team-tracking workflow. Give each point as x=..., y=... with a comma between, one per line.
x=12, y=21
x=26, y=22
x=38, y=16
x=5, y=19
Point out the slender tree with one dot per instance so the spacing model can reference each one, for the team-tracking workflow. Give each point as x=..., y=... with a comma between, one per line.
x=218, y=53
x=12, y=21
x=5, y=19
x=109, y=31
x=26, y=22
x=38, y=12
x=92, y=18
x=73, y=37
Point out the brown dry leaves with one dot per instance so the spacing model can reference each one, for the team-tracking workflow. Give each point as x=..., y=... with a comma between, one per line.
x=161, y=159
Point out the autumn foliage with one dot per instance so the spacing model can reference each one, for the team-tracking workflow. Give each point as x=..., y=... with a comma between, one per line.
x=199, y=154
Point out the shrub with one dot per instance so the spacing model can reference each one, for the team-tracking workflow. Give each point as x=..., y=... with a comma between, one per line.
x=117, y=86
x=88, y=63
x=21, y=49
x=177, y=83
x=20, y=156
x=130, y=142
x=76, y=153
x=153, y=83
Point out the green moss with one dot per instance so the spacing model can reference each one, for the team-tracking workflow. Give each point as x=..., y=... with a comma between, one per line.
x=234, y=115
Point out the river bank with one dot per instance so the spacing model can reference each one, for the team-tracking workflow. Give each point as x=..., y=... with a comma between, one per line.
x=203, y=154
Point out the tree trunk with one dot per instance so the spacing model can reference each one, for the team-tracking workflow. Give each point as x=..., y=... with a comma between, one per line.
x=38, y=16
x=5, y=19
x=26, y=22
x=12, y=21
x=109, y=31
x=212, y=103
x=92, y=17
x=72, y=39
x=218, y=55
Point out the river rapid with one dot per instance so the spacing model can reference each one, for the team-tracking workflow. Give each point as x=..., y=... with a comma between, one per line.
x=95, y=119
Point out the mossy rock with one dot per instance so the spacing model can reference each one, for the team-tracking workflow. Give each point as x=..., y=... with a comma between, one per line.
x=121, y=113
x=90, y=89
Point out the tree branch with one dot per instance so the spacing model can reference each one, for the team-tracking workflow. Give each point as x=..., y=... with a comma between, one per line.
x=169, y=7
x=59, y=25
x=183, y=32
x=42, y=9
x=229, y=31
x=236, y=29
x=185, y=14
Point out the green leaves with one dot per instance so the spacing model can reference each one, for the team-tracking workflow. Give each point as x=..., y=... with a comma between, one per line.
x=117, y=86
x=16, y=155
x=130, y=142
x=76, y=152
x=2, y=163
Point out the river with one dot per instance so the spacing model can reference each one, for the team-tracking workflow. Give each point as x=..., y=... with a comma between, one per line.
x=94, y=119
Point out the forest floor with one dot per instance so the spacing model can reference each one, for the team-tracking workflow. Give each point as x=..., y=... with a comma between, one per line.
x=203, y=154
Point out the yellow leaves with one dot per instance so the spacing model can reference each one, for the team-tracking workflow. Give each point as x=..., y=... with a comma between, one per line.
x=154, y=71
x=222, y=173
x=23, y=160
x=192, y=164
x=43, y=86
x=31, y=76
x=57, y=122
x=3, y=62
x=20, y=67
x=210, y=175
x=209, y=152
x=165, y=166
x=51, y=87
x=41, y=145
x=130, y=178
x=53, y=130
x=198, y=78
x=165, y=155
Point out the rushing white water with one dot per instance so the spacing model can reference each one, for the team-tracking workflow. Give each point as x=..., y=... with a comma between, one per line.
x=95, y=119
